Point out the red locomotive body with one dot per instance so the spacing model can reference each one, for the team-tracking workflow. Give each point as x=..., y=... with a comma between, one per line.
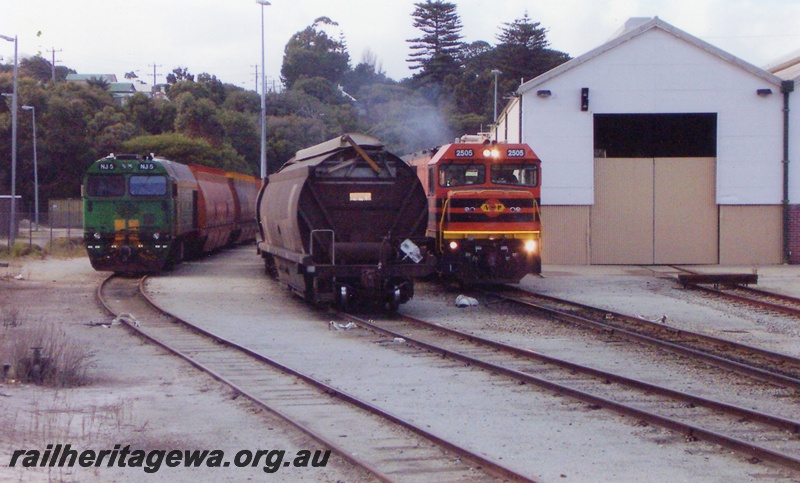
x=483, y=203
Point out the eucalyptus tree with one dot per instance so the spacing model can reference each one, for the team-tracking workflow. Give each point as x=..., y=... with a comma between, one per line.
x=312, y=53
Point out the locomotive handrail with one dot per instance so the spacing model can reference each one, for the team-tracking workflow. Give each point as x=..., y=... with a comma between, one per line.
x=440, y=238
x=333, y=244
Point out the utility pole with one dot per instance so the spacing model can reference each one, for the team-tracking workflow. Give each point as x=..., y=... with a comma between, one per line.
x=153, y=65
x=53, y=64
x=256, y=66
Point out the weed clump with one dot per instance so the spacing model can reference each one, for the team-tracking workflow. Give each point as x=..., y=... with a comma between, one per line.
x=41, y=353
x=66, y=247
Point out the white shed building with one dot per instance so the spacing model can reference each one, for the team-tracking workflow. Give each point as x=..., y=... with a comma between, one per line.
x=657, y=148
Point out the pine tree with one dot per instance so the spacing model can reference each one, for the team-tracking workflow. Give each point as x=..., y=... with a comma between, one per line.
x=436, y=52
x=523, y=51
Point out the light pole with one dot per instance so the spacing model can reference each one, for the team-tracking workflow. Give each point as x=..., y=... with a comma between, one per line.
x=35, y=170
x=263, y=4
x=12, y=223
x=496, y=73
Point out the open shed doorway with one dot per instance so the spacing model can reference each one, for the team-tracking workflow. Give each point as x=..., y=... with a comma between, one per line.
x=655, y=189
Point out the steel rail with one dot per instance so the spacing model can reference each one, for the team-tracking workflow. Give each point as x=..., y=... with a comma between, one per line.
x=609, y=325
x=340, y=451
x=691, y=430
x=486, y=464
x=755, y=302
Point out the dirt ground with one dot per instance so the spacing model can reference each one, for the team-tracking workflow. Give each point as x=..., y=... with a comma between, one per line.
x=133, y=393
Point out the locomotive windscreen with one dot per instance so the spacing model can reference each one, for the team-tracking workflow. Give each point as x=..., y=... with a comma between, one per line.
x=105, y=185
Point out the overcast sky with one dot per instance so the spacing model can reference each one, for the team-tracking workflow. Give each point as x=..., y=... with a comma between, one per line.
x=223, y=37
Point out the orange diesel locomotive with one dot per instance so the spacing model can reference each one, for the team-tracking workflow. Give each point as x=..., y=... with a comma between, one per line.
x=483, y=203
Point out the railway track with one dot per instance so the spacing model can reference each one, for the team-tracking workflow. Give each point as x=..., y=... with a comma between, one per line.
x=384, y=445
x=756, y=434
x=760, y=299
x=751, y=361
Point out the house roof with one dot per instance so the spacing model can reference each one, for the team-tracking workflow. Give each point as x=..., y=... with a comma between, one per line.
x=121, y=87
x=86, y=77
x=636, y=27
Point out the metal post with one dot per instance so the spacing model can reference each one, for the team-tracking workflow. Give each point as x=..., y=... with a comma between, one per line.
x=35, y=169
x=496, y=72
x=13, y=222
x=263, y=3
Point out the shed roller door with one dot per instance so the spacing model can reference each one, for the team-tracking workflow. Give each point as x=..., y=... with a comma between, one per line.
x=654, y=211
x=622, y=215
x=686, y=213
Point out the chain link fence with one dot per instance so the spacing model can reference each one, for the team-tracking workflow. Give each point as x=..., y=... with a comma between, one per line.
x=62, y=219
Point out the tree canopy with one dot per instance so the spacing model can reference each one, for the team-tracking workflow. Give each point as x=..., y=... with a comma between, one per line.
x=206, y=121
x=312, y=53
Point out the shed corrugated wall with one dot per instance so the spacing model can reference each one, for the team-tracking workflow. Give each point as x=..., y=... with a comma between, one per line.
x=750, y=235
x=565, y=235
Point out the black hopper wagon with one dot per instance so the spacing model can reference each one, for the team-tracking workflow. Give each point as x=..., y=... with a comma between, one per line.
x=343, y=223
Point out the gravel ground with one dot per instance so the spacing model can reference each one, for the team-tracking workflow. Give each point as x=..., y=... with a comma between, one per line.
x=135, y=394
x=533, y=431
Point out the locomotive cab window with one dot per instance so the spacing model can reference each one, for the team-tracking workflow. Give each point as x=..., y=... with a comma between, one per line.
x=147, y=185
x=457, y=174
x=515, y=174
x=105, y=186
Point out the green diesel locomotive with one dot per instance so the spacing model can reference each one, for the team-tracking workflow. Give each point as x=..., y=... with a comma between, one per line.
x=142, y=214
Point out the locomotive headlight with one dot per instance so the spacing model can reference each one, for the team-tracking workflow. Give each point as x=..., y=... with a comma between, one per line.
x=454, y=245
x=156, y=236
x=97, y=235
x=530, y=246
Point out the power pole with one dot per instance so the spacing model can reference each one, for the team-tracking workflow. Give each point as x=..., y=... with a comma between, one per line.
x=256, y=66
x=53, y=64
x=153, y=65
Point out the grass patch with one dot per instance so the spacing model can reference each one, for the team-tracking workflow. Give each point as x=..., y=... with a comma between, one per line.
x=59, y=247
x=41, y=353
x=66, y=248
